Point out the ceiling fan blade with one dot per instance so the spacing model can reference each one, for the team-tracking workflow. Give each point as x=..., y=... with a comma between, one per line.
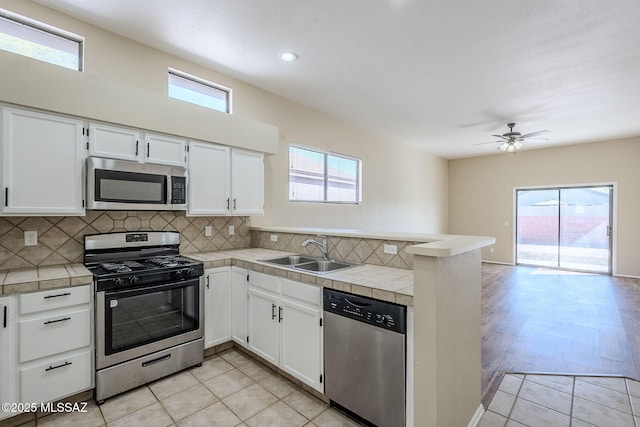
x=535, y=140
x=501, y=136
x=491, y=142
x=529, y=135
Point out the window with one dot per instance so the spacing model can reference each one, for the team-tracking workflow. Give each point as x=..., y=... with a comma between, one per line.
x=40, y=41
x=318, y=176
x=198, y=91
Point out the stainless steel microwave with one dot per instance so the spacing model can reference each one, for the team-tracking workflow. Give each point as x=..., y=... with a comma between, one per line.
x=126, y=185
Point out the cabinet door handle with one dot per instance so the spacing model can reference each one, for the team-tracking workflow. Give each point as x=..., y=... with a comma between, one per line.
x=137, y=142
x=51, y=368
x=207, y=281
x=234, y=203
x=6, y=196
x=4, y=317
x=48, y=322
x=273, y=311
x=227, y=203
x=148, y=150
x=280, y=314
x=58, y=295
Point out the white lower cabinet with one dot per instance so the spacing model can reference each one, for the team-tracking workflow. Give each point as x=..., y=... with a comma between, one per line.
x=239, y=301
x=225, y=313
x=285, y=326
x=8, y=344
x=55, y=353
x=217, y=312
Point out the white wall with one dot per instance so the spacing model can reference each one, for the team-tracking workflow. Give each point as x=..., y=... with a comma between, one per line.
x=404, y=189
x=481, y=192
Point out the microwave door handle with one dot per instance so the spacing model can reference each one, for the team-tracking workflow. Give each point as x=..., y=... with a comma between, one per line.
x=169, y=185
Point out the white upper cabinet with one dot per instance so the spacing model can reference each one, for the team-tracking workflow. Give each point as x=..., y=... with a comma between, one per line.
x=225, y=181
x=42, y=164
x=113, y=142
x=247, y=182
x=209, y=179
x=164, y=150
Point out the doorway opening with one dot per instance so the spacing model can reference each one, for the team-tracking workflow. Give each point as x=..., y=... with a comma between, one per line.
x=565, y=227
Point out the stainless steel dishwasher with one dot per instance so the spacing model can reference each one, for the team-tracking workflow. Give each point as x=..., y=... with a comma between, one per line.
x=365, y=357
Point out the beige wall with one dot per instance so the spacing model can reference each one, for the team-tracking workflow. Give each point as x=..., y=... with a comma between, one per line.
x=404, y=189
x=481, y=192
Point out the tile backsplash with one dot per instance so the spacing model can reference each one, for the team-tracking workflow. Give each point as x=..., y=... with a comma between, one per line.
x=352, y=249
x=61, y=239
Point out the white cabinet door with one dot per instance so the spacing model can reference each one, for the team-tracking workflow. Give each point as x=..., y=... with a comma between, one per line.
x=209, y=179
x=8, y=346
x=42, y=162
x=114, y=142
x=301, y=332
x=263, y=323
x=164, y=150
x=217, y=307
x=239, y=299
x=247, y=182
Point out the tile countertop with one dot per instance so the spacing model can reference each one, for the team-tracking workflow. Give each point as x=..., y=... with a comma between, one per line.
x=42, y=278
x=385, y=283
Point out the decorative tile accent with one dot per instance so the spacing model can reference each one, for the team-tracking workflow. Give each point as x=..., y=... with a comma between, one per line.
x=351, y=249
x=61, y=239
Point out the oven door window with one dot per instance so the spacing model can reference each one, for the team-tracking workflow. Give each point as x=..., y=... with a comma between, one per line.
x=130, y=187
x=137, y=317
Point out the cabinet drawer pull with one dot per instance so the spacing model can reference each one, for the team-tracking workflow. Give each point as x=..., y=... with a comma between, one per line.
x=273, y=311
x=48, y=322
x=51, y=368
x=58, y=295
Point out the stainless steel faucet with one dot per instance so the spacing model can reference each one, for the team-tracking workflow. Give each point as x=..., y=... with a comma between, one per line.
x=322, y=246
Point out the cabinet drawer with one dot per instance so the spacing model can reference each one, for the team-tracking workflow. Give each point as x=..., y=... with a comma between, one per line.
x=55, y=298
x=49, y=335
x=56, y=378
x=300, y=291
x=264, y=281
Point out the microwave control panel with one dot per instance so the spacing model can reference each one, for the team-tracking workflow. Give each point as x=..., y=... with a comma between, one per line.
x=178, y=190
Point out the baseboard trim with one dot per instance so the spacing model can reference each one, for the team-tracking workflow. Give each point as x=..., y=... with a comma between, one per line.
x=476, y=417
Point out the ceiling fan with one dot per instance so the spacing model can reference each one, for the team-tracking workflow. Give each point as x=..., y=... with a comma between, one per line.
x=512, y=141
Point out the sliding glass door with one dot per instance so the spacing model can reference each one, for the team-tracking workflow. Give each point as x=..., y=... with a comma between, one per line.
x=566, y=228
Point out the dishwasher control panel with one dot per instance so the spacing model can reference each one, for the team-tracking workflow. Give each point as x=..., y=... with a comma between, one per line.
x=378, y=313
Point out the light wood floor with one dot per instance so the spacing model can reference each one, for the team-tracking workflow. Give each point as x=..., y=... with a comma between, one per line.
x=548, y=321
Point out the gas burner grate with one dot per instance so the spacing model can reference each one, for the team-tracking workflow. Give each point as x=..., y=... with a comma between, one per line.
x=121, y=267
x=168, y=261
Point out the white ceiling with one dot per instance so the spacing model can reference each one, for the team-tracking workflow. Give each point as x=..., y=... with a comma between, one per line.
x=439, y=74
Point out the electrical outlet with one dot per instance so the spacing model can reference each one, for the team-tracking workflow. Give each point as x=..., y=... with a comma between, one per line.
x=391, y=249
x=274, y=237
x=232, y=230
x=491, y=250
x=30, y=238
x=207, y=231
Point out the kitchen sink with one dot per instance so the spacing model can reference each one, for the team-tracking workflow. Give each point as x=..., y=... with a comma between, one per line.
x=309, y=264
x=288, y=260
x=322, y=266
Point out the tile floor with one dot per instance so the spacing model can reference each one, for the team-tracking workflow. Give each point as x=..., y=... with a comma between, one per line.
x=560, y=400
x=229, y=389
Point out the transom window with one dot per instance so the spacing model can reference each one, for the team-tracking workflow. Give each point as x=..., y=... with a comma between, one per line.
x=199, y=91
x=37, y=40
x=319, y=176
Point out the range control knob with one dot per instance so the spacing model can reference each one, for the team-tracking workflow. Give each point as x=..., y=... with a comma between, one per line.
x=188, y=272
x=178, y=274
x=133, y=280
x=118, y=281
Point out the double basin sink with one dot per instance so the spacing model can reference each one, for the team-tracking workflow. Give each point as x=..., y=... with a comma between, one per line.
x=309, y=264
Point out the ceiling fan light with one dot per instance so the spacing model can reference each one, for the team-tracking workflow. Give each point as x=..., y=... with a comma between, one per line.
x=511, y=148
x=517, y=145
x=504, y=146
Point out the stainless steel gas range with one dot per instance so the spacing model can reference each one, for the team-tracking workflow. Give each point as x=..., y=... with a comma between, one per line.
x=149, y=308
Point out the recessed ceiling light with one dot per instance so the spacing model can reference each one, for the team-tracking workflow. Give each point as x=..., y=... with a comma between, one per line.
x=288, y=56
